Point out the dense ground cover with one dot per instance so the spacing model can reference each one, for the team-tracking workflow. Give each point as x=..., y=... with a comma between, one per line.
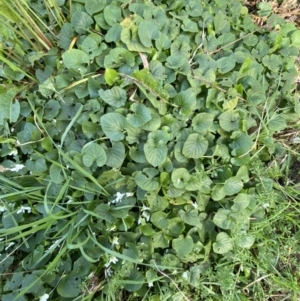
x=149, y=151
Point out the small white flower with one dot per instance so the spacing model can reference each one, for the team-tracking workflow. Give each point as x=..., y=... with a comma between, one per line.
x=2, y=209
x=119, y=196
x=195, y=205
x=150, y=284
x=14, y=152
x=265, y=206
x=114, y=259
x=17, y=167
x=112, y=228
x=115, y=241
x=23, y=209
x=60, y=61
x=10, y=245
x=144, y=208
x=185, y=276
x=44, y=297
x=146, y=215
x=12, y=130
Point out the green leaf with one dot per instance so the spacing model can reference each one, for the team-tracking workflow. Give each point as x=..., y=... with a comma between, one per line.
x=141, y=115
x=157, y=202
x=250, y=40
x=159, y=219
x=176, y=61
x=195, y=146
x=221, y=25
x=130, y=37
x=223, y=220
x=183, y=245
x=90, y=129
x=115, y=96
x=56, y=174
x=180, y=48
x=202, y=123
x=94, y=6
x=163, y=42
x=154, y=123
x=147, y=32
x=160, y=240
x=272, y=62
x=155, y=148
x=225, y=64
x=145, y=182
x=134, y=281
x=110, y=76
x=277, y=123
x=223, y=243
x=92, y=45
x=66, y=36
x=243, y=174
x=113, y=125
x=186, y=101
x=52, y=108
x=155, y=154
x=114, y=34
x=241, y=202
x=175, y=226
x=296, y=38
x=189, y=26
x=147, y=230
x=137, y=155
x=242, y=142
x=81, y=22
x=112, y=14
x=265, y=9
x=180, y=177
x=232, y=186
x=245, y=241
x=115, y=155
x=192, y=218
x=119, y=57
x=69, y=286
x=7, y=105
x=93, y=153
x=229, y=121
x=194, y=8
x=37, y=166
x=81, y=266
x=75, y=58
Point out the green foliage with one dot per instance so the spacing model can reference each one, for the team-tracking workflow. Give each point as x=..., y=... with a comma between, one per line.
x=142, y=148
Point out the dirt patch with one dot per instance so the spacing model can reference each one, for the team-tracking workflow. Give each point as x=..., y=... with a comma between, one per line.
x=287, y=9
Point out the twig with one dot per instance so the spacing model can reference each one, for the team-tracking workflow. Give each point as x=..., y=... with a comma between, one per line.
x=144, y=60
x=261, y=278
x=167, y=276
x=199, y=46
x=241, y=38
x=215, y=86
